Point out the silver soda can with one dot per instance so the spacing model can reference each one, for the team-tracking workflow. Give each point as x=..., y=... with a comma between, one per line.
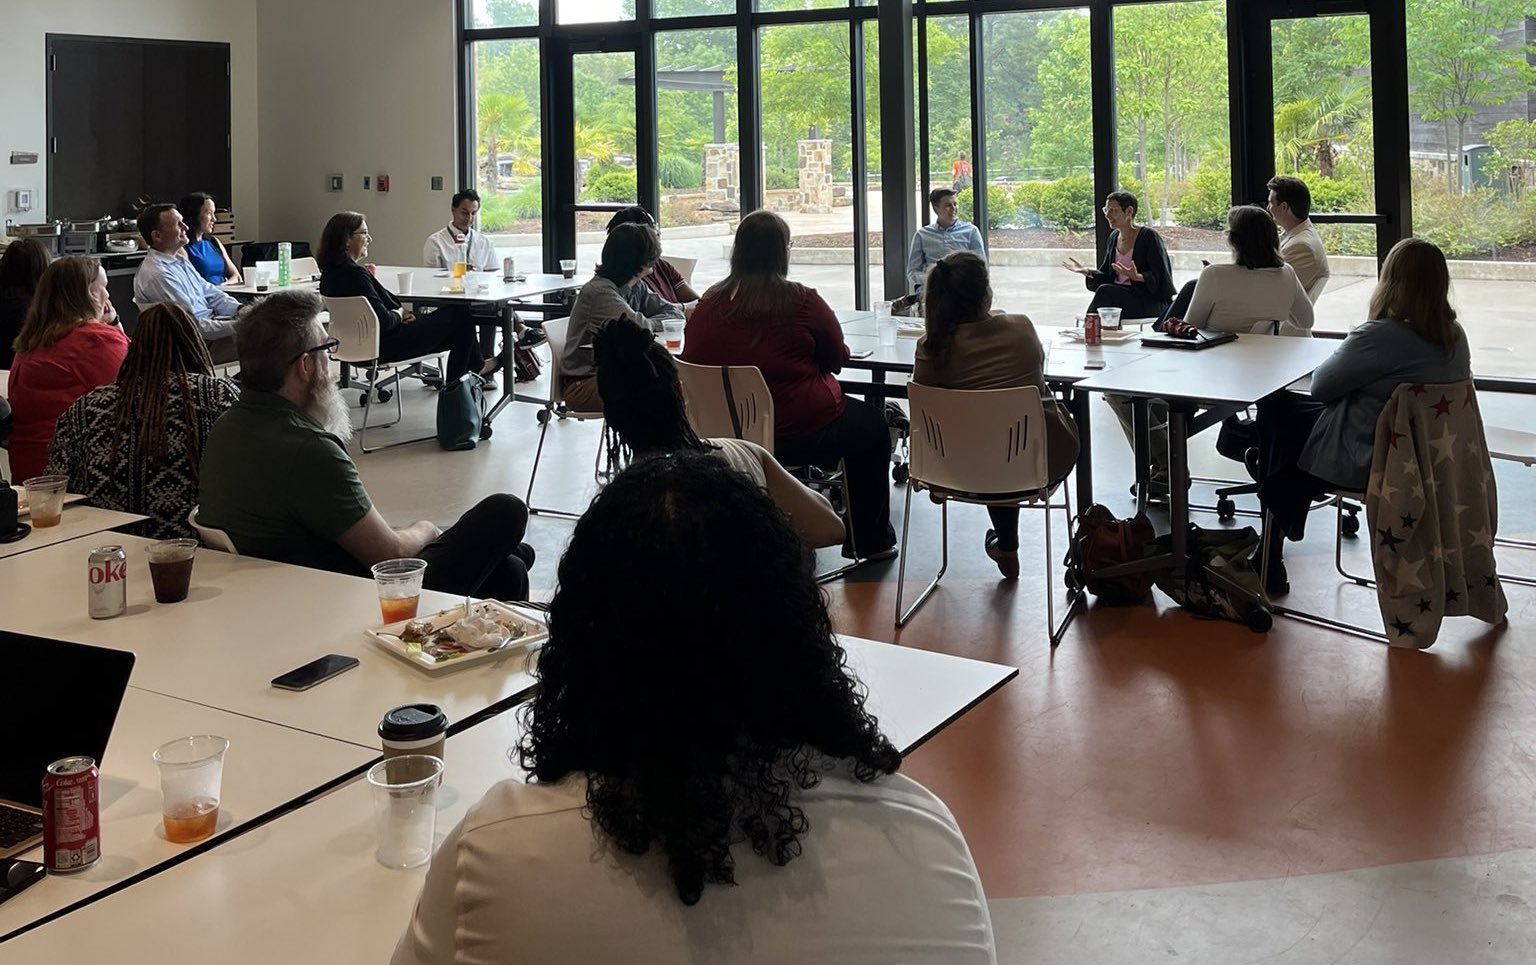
x=508, y=268
x=107, y=582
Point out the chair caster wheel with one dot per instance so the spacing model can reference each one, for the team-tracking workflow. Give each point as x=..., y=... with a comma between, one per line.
x=1349, y=526
x=900, y=474
x=1259, y=620
x=1226, y=509
x=362, y=399
x=543, y=416
x=485, y=432
x=385, y=395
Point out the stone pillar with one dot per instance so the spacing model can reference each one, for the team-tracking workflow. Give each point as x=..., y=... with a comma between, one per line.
x=815, y=195
x=722, y=175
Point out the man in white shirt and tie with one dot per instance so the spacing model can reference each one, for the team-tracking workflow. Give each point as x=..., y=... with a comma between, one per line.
x=443, y=247
x=1290, y=204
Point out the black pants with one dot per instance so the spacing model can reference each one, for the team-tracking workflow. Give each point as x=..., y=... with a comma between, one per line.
x=1005, y=521
x=450, y=329
x=861, y=439
x=1284, y=421
x=483, y=553
x=1132, y=304
x=1180, y=306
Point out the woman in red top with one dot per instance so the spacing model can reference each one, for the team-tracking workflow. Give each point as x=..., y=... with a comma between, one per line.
x=757, y=316
x=69, y=345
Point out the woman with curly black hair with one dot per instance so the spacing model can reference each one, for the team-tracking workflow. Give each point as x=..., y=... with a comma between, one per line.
x=695, y=704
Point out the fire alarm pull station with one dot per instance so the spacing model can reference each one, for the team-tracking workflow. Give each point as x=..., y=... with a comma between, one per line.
x=383, y=182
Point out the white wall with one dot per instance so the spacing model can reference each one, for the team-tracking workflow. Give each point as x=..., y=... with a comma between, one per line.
x=357, y=89
x=24, y=103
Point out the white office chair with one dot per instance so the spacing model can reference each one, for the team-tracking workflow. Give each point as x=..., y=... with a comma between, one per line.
x=212, y=538
x=684, y=266
x=710, y=392
x=1512, y=445
x=555, y=330
x=354, y=324
x=985, y=447
x=709, y=411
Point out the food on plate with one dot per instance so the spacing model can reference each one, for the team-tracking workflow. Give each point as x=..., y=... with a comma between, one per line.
x=451, y=634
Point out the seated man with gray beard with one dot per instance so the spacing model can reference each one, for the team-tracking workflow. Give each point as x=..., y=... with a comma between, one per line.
x=277, y=478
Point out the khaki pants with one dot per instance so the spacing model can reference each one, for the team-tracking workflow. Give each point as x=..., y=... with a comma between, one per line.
x=581, y=394
x=1157, y=436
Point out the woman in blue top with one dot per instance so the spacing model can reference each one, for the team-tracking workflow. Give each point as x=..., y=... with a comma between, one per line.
x=205, y=251
x=1309, y=445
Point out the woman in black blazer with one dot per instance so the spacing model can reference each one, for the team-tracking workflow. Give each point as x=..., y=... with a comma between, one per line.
x=401, y=334
x=1135, y=275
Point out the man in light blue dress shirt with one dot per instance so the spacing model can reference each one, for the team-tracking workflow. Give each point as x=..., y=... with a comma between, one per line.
x=167, y=276
x=934, y=241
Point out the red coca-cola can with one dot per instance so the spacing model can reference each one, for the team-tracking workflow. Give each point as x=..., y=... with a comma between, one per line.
x=1092, y=333
x=71, y=815
x=106, y=582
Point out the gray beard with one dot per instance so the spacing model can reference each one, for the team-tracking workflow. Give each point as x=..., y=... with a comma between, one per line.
x=327, y=407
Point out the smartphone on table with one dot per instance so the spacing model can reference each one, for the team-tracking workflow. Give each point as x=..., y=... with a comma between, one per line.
x=314, y=672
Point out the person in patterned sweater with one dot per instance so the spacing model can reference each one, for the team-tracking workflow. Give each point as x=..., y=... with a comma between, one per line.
x=135, y=445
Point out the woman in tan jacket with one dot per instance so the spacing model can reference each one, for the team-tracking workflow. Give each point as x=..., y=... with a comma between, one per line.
x=969, y=346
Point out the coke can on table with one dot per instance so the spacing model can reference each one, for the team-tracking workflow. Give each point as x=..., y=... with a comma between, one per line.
x=71, y=815
x=107, y=582
x=508, y=268
x=1092, y=334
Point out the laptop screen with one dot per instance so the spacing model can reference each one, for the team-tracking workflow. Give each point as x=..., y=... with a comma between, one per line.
x=59, y=700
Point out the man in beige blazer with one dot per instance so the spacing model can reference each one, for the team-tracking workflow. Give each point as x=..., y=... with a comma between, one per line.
x=1290, y=204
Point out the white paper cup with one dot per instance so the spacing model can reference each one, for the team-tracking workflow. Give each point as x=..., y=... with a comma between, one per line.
x=403, y=282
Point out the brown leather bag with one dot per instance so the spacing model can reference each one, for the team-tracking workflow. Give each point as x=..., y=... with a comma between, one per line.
x=1101, y=541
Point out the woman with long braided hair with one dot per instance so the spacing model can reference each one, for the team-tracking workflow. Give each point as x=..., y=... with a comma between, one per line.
x=135, y=445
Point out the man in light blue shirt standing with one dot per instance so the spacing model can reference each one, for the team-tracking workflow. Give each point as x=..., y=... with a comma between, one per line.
x=933, y=241
x=167, y=276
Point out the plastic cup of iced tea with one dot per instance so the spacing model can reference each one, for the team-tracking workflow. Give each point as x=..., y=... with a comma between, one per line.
x=45, y=499
x=170, y=568
x=399, y=585
x=191, y=774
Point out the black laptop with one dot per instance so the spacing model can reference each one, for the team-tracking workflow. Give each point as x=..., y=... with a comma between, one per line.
x=60, y=700
x=1198, y=339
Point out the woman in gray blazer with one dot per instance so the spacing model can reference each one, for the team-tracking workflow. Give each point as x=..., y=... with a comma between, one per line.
x=1309, y=445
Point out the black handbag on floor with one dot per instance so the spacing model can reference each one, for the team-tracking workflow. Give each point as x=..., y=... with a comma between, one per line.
x=461, y=414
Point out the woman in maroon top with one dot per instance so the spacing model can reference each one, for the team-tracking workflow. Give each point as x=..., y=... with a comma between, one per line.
x=661, y=278
x=757, y=316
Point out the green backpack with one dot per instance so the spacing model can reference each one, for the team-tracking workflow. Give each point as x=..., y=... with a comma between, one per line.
x=1228, y=552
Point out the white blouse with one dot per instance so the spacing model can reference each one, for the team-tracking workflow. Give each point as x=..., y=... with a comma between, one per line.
x=1231, y=298
x=884, y=876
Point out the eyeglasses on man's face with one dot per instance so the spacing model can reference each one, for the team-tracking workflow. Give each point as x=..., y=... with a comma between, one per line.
x=329, y=346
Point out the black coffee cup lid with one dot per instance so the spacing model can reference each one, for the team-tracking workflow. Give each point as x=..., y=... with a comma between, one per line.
x=413, y=722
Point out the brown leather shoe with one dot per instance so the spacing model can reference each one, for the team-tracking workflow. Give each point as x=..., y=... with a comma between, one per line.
x=1007, y=560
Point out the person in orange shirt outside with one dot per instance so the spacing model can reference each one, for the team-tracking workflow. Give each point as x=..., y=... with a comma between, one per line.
x=960, y=172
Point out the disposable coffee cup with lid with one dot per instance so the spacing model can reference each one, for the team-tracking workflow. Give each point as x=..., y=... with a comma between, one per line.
x=414, y=729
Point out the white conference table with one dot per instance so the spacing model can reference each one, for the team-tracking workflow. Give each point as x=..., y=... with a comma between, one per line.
x=267, y=767
x=245, y=622
x=305, y=888
x=75, y=523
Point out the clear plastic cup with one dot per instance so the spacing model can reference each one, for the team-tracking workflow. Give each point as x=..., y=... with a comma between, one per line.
x=170, y=568
x=191, y=773
x=568, y=267
x=399, y=585
x=1109, y=319
x=405, y=808
x=672, y=333
x=45, y=499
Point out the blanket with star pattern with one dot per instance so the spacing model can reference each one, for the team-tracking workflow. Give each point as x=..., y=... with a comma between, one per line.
x=1433, y=510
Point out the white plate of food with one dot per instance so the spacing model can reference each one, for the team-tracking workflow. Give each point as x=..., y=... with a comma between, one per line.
x=23, y=509
x=1107, y=336
x=447, y=641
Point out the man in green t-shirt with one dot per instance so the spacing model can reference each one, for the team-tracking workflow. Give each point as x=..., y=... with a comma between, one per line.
x=276, y=475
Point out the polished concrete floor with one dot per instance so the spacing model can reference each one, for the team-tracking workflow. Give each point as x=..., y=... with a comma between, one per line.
x=1162, y=788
